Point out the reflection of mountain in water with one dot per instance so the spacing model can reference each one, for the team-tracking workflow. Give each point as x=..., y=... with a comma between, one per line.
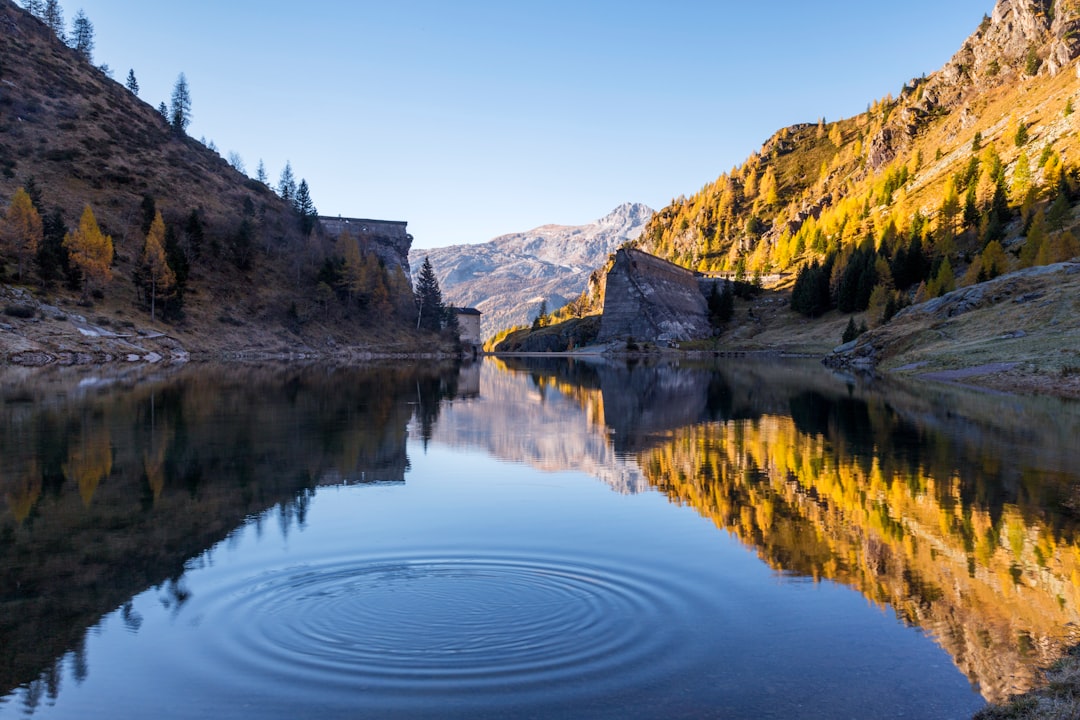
x=111, y=483
x=951, y=507
x=541, y=421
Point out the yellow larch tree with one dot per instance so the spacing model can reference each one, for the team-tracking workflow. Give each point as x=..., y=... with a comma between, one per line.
x=91, y=251
x=154, y=266
x=20, y=231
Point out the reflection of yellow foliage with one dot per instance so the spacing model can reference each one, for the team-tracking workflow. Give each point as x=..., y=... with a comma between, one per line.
x=25, y=493
x=899, y=534
x=154, y=467
x=89, y=462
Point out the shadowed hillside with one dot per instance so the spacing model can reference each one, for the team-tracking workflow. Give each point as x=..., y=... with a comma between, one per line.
x=247, y=264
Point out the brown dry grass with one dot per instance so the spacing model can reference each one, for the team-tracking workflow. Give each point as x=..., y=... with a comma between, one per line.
x=84, y=139
x=1058, y=699
x=1017, y=333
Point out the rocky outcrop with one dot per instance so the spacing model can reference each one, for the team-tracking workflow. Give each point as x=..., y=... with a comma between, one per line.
x=648, y=298
x=1017, y=324
x=995, y=54
x=507, y=278
x=388, y=239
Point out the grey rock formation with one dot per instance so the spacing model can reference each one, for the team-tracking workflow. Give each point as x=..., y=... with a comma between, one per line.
x=651, y=299
x=508, y=277
x=389, y=239
x=994, y=55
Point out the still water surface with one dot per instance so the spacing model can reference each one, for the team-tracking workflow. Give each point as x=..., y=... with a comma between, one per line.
x=542, y=539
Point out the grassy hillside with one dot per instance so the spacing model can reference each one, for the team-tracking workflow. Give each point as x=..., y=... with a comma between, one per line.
x=76, y=138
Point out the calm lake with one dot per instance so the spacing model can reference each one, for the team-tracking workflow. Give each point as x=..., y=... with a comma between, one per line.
x=531, y=538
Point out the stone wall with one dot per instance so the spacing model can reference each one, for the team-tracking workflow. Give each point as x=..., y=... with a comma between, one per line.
x=651, y=299
x=388, y=239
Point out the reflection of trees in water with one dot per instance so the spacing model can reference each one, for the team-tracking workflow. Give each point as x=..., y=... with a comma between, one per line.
x=430, y=392
x=113, y=493
x=966, y=546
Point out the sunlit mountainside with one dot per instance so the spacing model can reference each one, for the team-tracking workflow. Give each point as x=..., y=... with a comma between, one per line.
x=980, y=152
x=965, y=175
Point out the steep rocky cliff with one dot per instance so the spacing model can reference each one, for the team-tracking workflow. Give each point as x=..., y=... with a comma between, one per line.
x=648, y=298
x=1019, y=40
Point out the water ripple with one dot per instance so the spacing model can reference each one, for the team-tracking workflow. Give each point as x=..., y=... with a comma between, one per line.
x=409, y=626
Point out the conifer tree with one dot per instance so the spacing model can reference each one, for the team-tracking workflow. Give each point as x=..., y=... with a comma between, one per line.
x=91, y=251
x=287, y=183
x=132, y=83
x=180, y=107
x=429, y=304
x=34, y=7
x=155, y=271
x=260, y=173
x=52, y=257
x=82, y=36
x=305, y=208
x=21, y=234
x=53, y=15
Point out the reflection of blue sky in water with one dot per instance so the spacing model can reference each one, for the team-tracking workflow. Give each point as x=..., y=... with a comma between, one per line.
x=480, y=588
x=502, y=577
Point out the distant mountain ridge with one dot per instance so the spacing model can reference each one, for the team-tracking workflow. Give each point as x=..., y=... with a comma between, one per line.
x=508, y=277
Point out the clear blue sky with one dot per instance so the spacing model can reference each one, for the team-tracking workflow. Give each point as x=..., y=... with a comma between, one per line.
x=470, y=118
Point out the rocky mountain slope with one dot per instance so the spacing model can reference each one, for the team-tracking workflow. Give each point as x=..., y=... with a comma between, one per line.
x=80, y=138
x=508, y=277
x=998, y=117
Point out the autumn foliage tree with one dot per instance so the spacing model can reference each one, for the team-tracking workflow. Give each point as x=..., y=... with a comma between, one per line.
x=21, y=231
x=91, y=251
x=157, y=277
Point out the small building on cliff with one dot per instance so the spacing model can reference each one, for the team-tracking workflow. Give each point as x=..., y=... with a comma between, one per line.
x=648, y=298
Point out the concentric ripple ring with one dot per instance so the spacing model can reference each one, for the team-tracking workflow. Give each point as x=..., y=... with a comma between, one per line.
x=431, y=623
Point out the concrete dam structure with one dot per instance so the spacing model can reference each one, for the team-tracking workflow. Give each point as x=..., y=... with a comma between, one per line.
x=648, y=298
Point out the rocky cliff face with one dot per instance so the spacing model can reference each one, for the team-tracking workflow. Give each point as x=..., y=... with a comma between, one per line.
x=1020, y=36
x=648, y=298
x=507, y=278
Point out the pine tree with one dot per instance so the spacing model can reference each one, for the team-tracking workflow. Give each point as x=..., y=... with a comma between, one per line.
x=53, y=15
x=260, y=173
x=34, y=7
x=91, y=251
x=155, y=270
x=21, y=231
x=429, y=304
x=163, y=110
x=52, y=257
x=287, y=183
x=851, y=331
x=305, y=208
x=180, y=107
x=82, y=36
x=132, y=83
x=193, y=234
